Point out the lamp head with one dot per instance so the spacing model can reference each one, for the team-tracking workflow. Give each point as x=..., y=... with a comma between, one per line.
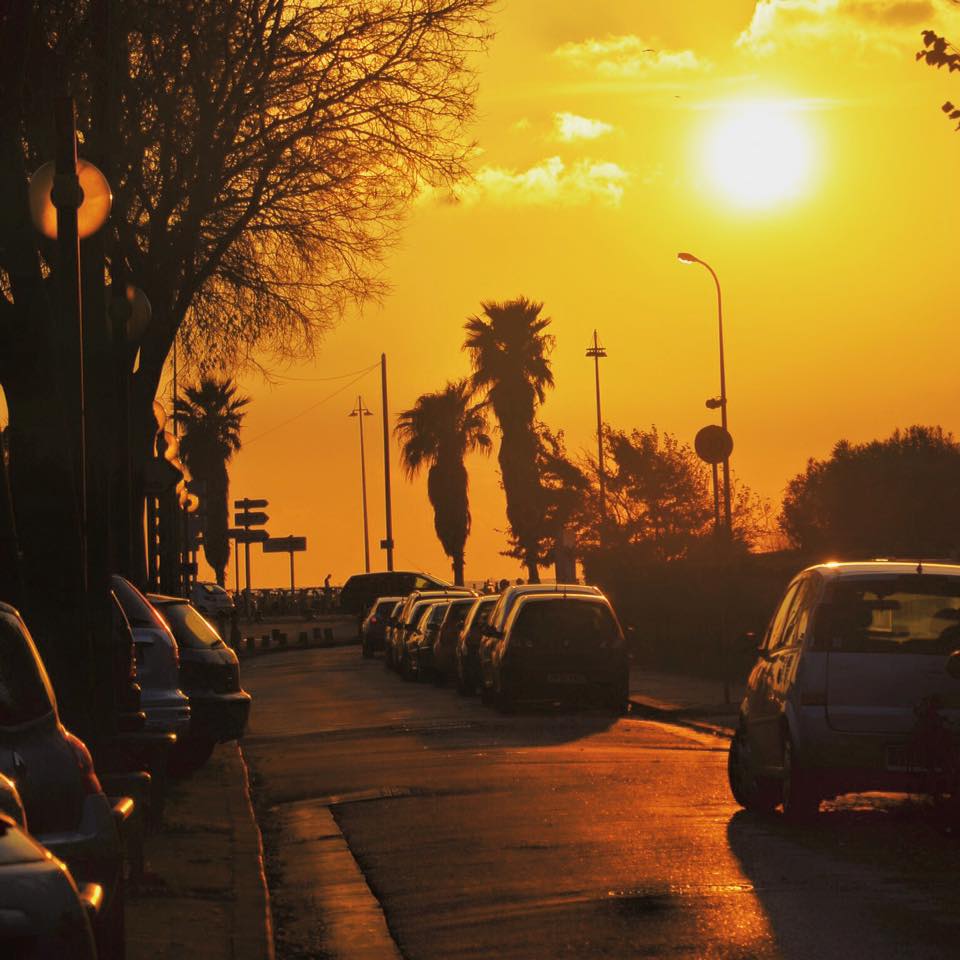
x=714, y=403
x=687, y=258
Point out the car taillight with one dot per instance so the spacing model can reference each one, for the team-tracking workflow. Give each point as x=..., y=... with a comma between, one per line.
x=88, y=776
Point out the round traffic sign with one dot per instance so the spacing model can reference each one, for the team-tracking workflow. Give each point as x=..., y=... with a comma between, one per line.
x=713, y=444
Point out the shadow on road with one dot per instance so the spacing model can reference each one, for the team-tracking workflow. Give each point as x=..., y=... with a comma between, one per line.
x=869, y=877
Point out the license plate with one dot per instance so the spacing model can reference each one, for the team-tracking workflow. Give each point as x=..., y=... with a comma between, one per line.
x=566, y=678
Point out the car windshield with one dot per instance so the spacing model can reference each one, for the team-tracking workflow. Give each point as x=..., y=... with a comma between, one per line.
x=23, y=693
x=905, y=614
x=189, y=628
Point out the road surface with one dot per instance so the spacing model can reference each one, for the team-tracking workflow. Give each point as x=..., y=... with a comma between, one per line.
x=552, y=834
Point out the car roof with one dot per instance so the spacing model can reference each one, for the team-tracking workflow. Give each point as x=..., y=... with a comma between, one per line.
x=859, y=568
x=543, y=597
x=163, y=598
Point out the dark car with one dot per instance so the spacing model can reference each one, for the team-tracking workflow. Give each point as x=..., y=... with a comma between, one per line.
x=445, y=641
x=408, y=636
x=560, y=647
x=373, y=630
x=468, y=643
x=360, y=590
x=210, y=675
x=66, y=808
x=398, y=636
x=422, y=640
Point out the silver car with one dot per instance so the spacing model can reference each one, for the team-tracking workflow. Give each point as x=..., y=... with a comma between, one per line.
x=158, y=662
x=856, y=688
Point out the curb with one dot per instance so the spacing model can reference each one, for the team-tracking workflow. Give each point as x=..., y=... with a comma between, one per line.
x=679, y=718
x=252, y=937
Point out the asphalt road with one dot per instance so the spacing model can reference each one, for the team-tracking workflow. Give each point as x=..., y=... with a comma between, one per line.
x=550, y=834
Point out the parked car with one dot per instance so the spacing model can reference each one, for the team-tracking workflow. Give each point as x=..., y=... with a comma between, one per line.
x=42, y=911
x=393, y=621
x=395, y=651
x=856, y=688
x=493, y=631
x=211, y=599
x=468, y=643
x=373, y=630
x=445, y=641
x=210, y=675
x=158, y=662
x=360, y=590
x=65, y=806
x=560, y=647
x=410, y=634
x=422, y=640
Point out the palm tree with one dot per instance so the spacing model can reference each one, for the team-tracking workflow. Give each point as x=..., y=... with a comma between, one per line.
x=509, y=351
x=211, y=414
x=439, y=430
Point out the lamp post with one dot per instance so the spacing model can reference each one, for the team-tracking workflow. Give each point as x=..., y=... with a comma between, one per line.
x=360, y=411
x=722, y=402
x=596, y=351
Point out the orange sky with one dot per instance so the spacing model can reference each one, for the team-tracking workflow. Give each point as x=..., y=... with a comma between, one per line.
x=592, y=172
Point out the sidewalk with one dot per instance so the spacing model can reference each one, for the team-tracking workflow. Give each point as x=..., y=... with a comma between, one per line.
x=691, y=701
x=204, y=892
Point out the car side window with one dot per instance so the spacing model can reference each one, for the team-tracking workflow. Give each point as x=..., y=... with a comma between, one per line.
x=799, y=617
x=779, y=621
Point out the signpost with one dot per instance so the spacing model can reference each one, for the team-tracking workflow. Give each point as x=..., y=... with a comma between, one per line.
x=247, y=519
x=289, y=545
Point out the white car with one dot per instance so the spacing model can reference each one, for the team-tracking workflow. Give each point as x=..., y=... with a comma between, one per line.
x=857, y=688
x=211, y=599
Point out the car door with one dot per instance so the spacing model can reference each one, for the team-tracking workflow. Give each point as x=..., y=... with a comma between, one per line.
x=763, y=712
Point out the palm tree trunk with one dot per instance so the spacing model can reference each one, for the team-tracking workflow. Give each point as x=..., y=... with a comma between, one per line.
x=458, y=571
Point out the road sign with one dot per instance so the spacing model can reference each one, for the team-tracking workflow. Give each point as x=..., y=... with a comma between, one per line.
x=285, y=545
x=250, y=504
x=248, y=536
x=713, y=444
x=250, y=519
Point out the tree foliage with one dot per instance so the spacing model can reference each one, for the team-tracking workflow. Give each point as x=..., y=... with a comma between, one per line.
x=939, y=52
x=892, y=497
x=437, y=432
x=211, y=414
x=510, y=351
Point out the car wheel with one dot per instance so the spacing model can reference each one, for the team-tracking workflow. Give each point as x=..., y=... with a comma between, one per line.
x=406, y=667
x=800, y=798
x=365, y=649
x=753, y=793
x=462, y=687
x=502, y=700
x=189, y=755
x=111, y=926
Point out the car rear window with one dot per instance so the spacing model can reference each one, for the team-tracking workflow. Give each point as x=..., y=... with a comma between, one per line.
x=559, y=620
x=23, y=692
x=905, y=614
x=189, y=628
x=135, y=606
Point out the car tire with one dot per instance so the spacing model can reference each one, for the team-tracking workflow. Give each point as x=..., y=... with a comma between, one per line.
x=462, y=687
x=112, y=926
x=799, y=795
x=753, y=793
x=189, y=755
x=406, y=667
x=365, y=649
x=503, y=701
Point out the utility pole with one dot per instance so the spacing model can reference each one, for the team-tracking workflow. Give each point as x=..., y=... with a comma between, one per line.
x=388, y=542
x=596, y=351
x=360, y=411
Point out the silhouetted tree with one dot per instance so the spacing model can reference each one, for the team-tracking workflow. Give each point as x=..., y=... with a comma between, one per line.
x=211, y=414
x=893, y=497
x=939, y=52
x=510, y=355
x=438, y=431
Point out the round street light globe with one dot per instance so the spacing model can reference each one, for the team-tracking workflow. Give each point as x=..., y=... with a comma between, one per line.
x=93, y=210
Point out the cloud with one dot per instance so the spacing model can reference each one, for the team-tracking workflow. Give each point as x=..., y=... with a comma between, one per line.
x=886, y=24
x=627, y=56
x=548, y=183
x=569, y=127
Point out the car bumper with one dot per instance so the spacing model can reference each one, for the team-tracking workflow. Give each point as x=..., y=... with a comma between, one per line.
x=167, y=714
x=219, y=717
x=94, y=851
x=564, y=685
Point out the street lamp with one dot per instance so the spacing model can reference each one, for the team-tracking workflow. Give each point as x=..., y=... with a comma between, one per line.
x=597, y=352
x=360, y=411
x=721, y=401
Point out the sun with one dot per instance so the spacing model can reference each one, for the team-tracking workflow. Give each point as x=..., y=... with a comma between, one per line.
x=759, y=153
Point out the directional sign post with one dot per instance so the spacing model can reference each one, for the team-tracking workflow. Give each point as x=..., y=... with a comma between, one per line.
x=289, y=545
x=246, y=519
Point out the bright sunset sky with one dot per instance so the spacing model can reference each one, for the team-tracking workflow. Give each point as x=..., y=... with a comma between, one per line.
x=610, y=137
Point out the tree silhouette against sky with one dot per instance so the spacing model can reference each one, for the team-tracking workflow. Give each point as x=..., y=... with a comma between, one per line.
x=437, y=432
x=211, y=415
x=510, y=353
